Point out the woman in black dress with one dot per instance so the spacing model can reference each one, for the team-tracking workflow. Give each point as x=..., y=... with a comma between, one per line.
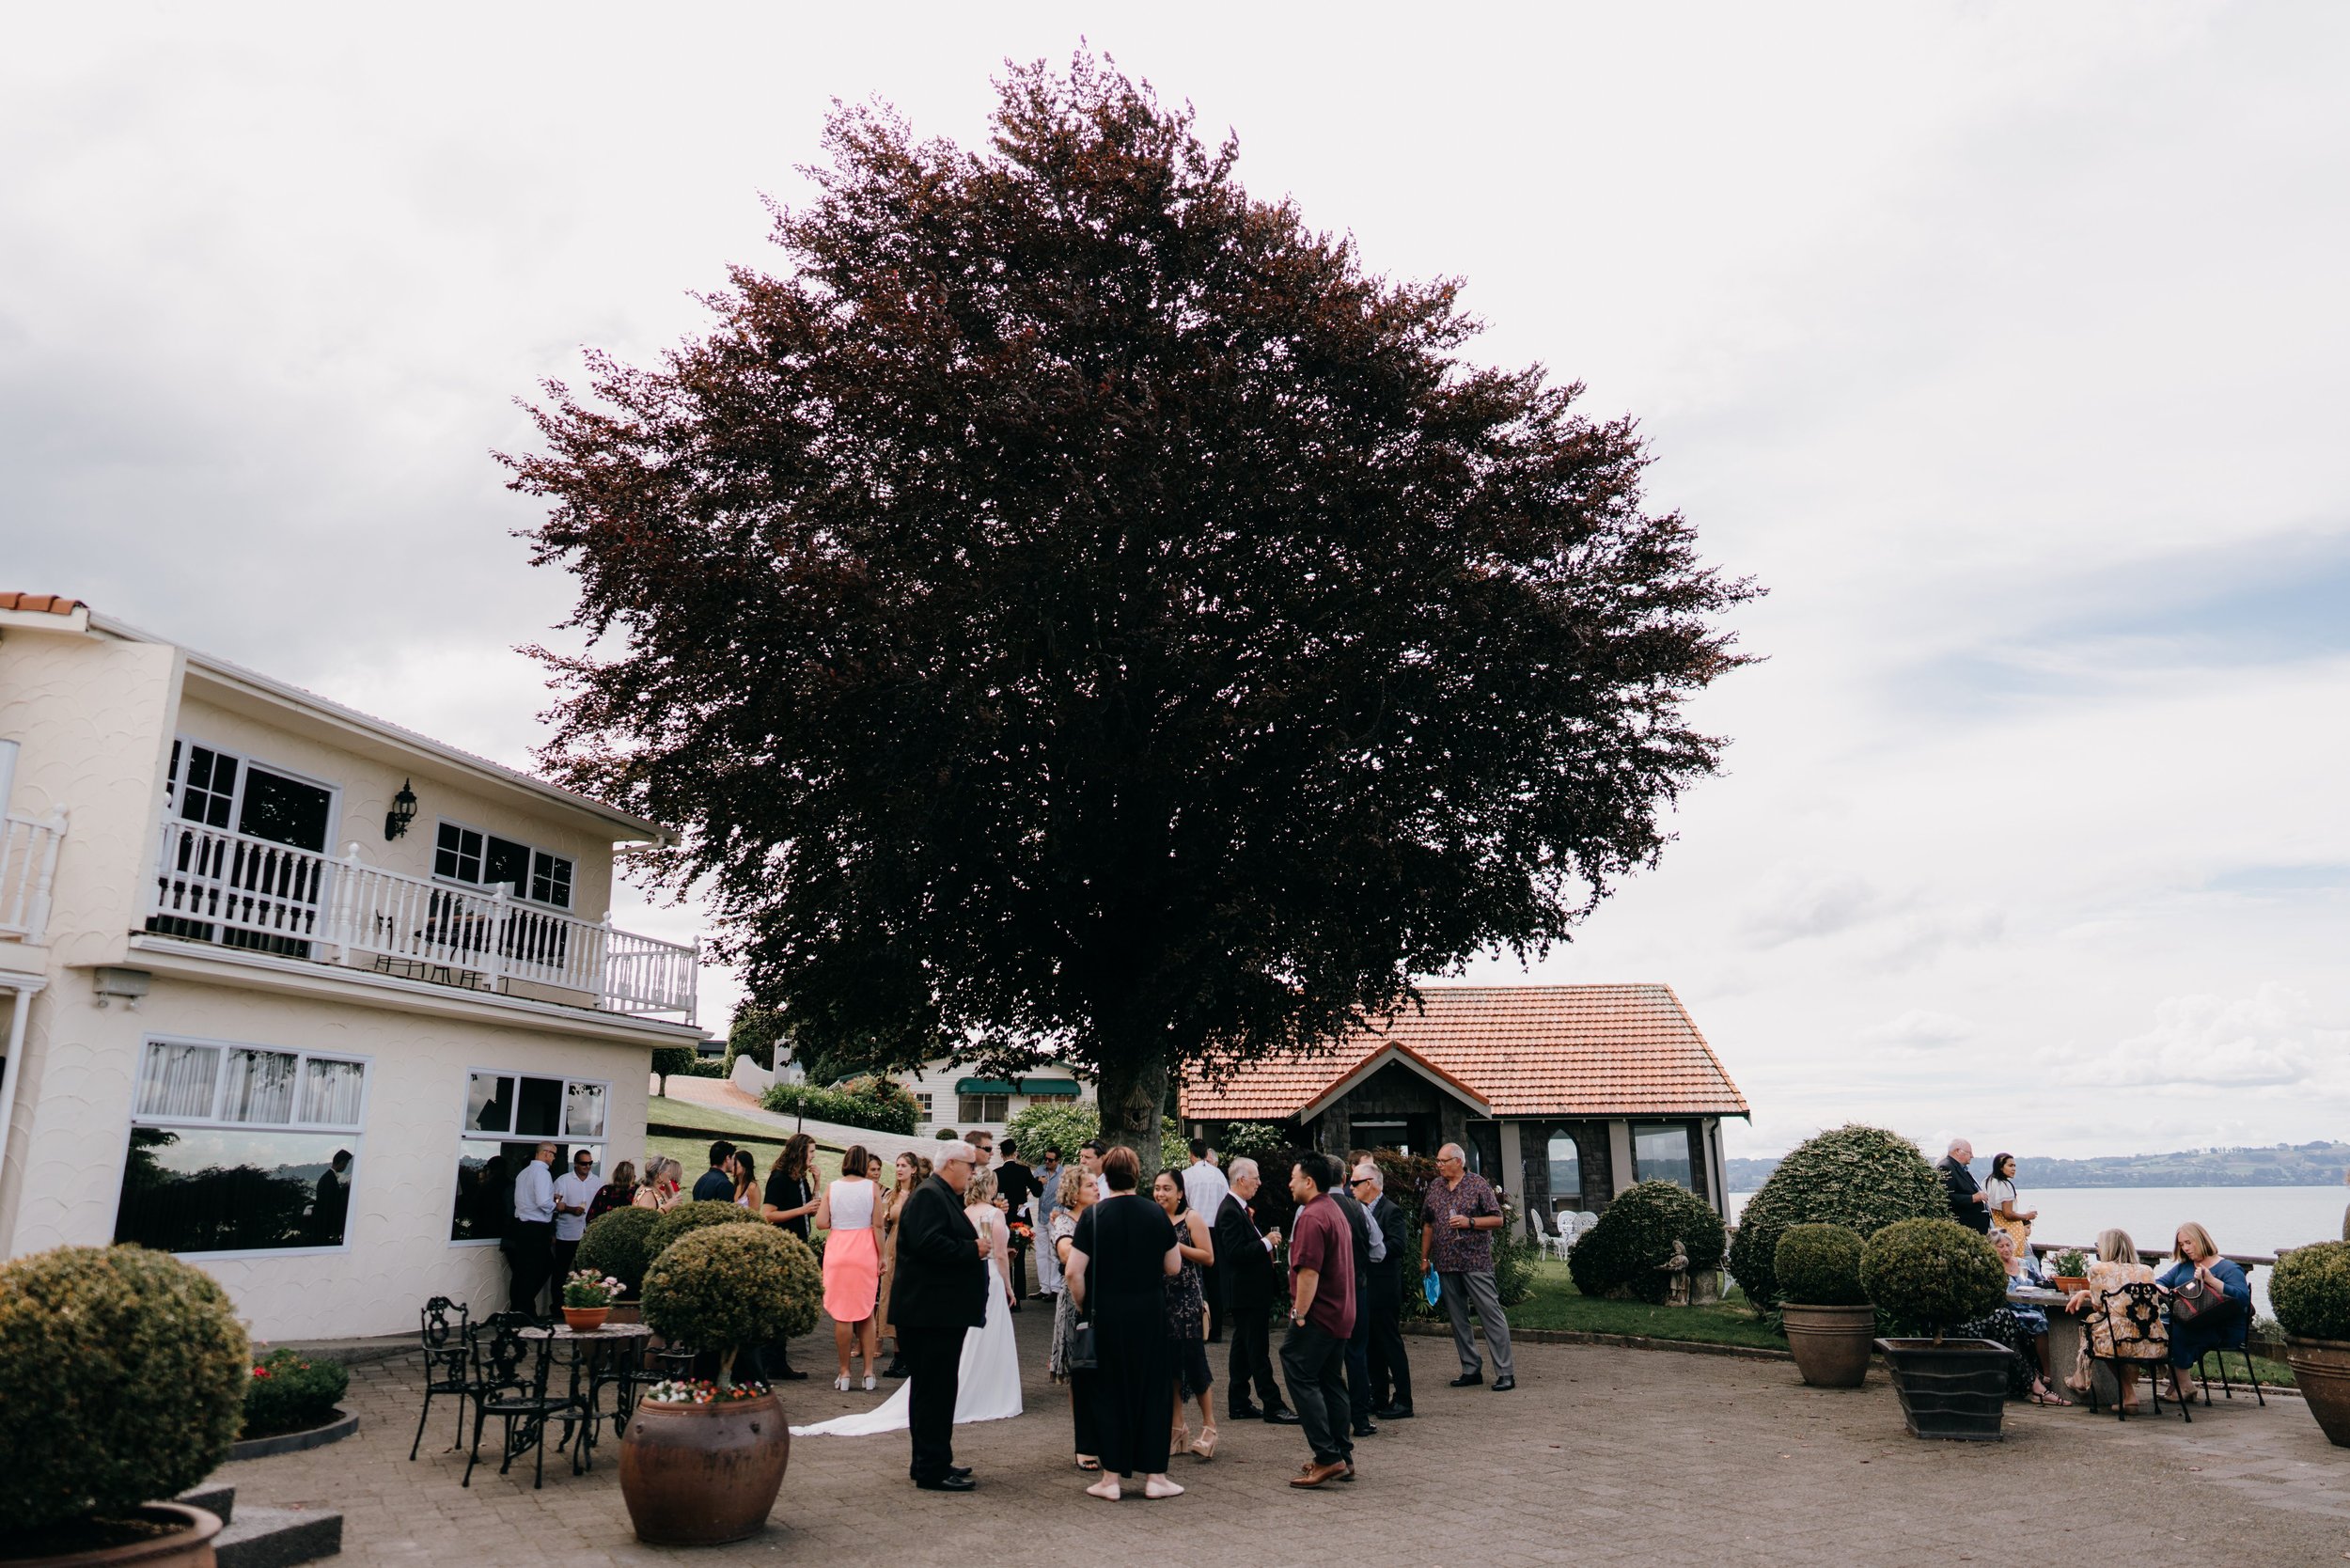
x=1119, y=1260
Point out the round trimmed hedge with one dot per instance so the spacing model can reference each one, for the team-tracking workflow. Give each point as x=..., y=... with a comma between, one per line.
x=687, y=1218
x=727, y=1286
x=1861, y=1178
x=1926, y=1275
x=618, y=1243
x=1621, y=1252
x=2310, y=1292
x=1819, y=1265
x=123, y=1372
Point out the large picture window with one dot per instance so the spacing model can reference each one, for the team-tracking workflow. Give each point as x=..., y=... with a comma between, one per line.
x=1660, y=1152
x=508, y=1115
x=983, y=1107
x=239, y=1148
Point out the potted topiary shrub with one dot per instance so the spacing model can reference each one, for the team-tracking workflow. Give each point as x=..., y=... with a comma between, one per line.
x=617, y=1244
x=1625, y=1254
x=123, y=1373
x=1926, y=1275
x=2311, y=1294
x=701, y=1462
x=1861, y=1178
x=1827, y=1317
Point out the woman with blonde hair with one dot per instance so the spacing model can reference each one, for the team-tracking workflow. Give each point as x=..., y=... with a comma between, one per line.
x=2116, y=1265
x=1075, y=1194
x=2194, y=1260
x=851, y=1262
x=664, y=1185
x=913, y=1170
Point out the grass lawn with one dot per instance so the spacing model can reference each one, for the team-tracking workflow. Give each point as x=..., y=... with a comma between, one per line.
x=1556, y=1303
x=764, y=1142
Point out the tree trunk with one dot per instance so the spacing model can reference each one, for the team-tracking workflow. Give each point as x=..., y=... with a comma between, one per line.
x=1134, y=1088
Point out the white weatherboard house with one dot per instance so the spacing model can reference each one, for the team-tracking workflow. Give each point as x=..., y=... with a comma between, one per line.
x=292, y=992
x=951, y=1095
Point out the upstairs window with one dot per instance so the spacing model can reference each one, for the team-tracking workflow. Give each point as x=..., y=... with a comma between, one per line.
x=461, y=854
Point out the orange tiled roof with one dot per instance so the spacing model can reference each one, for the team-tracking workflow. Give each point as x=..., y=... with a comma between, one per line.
x=1525, y=1050
x=55, y=603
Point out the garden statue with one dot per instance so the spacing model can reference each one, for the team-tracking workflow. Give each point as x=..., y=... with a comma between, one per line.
x=1677, y=1290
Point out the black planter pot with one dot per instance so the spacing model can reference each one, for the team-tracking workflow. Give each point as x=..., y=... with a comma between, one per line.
x=1957, y=1388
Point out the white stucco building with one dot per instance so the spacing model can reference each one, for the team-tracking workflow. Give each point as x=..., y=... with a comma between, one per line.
x=953, y=1096
x=291, y=990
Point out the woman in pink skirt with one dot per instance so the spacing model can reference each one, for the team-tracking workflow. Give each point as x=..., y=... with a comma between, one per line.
x=851, y=1261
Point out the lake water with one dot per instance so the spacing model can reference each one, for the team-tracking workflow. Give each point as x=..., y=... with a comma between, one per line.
x=2240, y=1220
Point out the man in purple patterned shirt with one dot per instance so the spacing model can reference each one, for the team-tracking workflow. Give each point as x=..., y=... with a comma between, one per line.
x=1457, y=1219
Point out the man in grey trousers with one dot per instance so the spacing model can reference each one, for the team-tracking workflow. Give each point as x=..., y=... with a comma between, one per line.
x=1458, y=1218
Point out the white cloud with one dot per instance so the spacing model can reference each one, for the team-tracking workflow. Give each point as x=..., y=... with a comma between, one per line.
x=1920, y=1029
x=2271, y=1039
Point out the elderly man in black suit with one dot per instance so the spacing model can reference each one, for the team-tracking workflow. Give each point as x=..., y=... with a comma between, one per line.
x=1245, y=1275
x=1383, y=1299
x=937, y=1294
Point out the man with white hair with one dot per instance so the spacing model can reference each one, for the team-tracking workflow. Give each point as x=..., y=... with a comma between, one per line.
x=1458, y=1218
x=1246, y=1282
x=1390, y=1367
x=1968, y=1206
x=937, y=1293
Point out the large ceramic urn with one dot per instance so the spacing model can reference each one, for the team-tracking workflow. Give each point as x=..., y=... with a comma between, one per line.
x=1831, y=1343
x=697, y=1475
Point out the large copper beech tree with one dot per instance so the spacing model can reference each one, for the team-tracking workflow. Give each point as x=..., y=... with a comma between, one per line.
x=1074, y=608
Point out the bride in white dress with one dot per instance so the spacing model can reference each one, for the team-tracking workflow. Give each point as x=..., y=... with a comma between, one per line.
x=987, y=1385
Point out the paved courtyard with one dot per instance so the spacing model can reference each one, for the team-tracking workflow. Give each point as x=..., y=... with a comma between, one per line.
x=1602, y=1455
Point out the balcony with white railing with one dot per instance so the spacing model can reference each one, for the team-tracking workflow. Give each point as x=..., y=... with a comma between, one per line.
x=212, y=884
x=28, y=867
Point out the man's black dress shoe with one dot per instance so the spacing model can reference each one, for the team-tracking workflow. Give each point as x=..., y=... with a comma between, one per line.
x=1283, y=1416
x=1243, y=1412
x=789, y=1374
x=957, y=1470
x=1503, y=1384
x=1394, y=1412
x=950, y=1482
x=897, y=1368
x=1469, y=1380
x=1366, y=1429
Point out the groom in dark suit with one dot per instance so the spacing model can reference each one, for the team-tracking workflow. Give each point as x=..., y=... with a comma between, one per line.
x=937, y=1294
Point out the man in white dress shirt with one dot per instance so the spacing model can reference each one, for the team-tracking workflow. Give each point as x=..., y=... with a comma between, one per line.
x=1048, y=1174
x=1204, y=1188
x=574, y=1190
x=530, y=1240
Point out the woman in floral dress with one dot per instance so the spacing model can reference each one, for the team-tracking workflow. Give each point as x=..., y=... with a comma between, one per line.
x=1186, y=1315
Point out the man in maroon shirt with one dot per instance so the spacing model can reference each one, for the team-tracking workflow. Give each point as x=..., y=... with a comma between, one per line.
x=1322, y=1319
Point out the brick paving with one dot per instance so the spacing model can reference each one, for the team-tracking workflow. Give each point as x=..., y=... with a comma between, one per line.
x=1602, y=1455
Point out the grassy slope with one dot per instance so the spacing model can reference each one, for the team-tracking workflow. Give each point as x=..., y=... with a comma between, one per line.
x=764, y=1142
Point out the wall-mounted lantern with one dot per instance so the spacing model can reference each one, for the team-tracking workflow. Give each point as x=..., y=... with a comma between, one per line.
x=403, y=811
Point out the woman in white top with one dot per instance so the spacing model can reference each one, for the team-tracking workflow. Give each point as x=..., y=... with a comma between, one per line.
x=851, y=1261
x=987, y=1387
x=2007, y=1213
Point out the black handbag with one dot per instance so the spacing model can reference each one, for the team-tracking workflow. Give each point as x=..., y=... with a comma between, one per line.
x=1084, y=1355
x=2193, y=1303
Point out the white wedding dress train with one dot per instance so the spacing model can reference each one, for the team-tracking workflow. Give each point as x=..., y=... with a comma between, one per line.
x=987, y=1385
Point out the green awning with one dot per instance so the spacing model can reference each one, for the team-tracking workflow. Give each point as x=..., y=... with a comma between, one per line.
x=1024, y=1085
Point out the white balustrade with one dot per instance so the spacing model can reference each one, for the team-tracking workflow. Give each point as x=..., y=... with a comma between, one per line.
x=213, y=885
x=28, y=867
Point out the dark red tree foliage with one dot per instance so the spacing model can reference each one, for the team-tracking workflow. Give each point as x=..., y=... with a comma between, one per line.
x=1076, y=609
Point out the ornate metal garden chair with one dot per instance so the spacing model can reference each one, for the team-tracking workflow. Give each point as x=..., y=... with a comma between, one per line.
x=445, y=1331
x=2135, y=1335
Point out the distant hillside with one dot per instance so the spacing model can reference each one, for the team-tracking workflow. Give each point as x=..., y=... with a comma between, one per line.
x=2284, y=1165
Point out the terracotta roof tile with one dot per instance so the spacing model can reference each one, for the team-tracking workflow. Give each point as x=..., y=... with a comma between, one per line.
x=54, y=603
x=1530, y=1050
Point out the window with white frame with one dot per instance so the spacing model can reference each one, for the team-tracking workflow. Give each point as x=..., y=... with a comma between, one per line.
x=238, y=1147
x=508, y=1115
x=461, y=854
x=983, y=1107
x=924, y=1100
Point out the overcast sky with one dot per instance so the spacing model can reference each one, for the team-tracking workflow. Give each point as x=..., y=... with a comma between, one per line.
x=2005, y=344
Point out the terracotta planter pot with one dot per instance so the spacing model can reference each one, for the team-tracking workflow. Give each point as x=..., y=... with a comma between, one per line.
x=188, y=1547
x=585, y=1320
x=1831, y=1343
x=2068, y=1283
x=1955, y=1390
x=2322, y=1368
x=697, y=1475
x=626, y=1311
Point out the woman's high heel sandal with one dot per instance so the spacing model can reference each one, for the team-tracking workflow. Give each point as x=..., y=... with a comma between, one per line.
x=1205, y=1447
